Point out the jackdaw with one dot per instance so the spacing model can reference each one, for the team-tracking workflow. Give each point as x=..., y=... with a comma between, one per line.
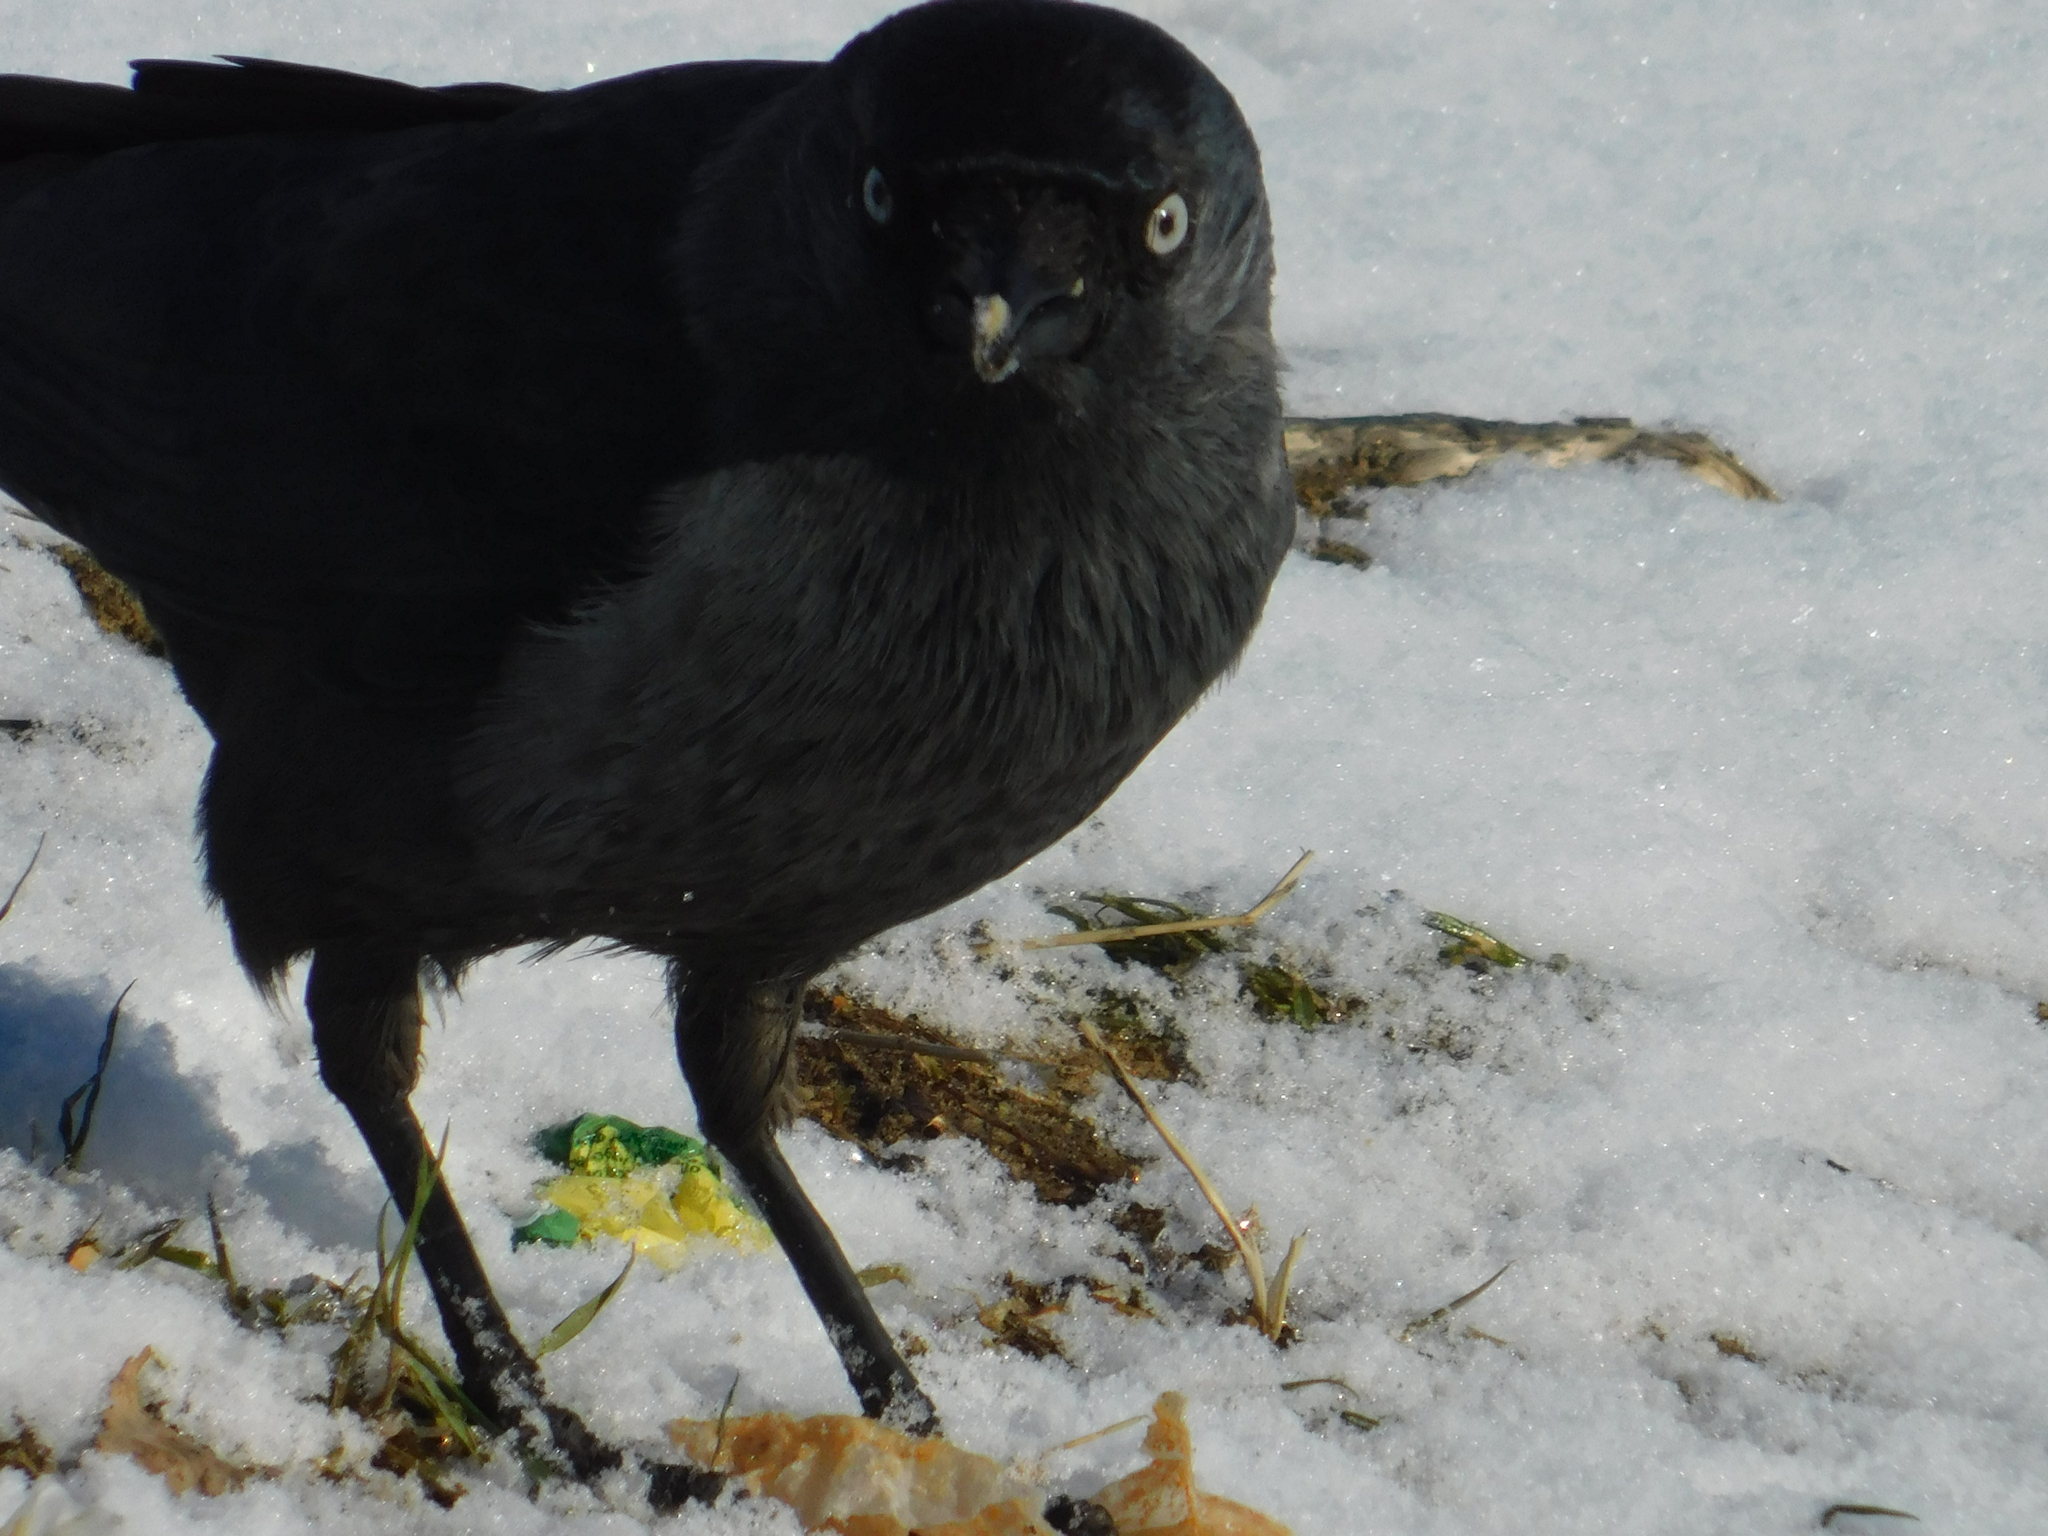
x=724, y=511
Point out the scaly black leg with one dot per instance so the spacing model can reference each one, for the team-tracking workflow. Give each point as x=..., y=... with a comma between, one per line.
x=734, y=1041
x=366, y=1026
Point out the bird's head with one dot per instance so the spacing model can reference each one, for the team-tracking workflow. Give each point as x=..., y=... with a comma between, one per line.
x=992, y=206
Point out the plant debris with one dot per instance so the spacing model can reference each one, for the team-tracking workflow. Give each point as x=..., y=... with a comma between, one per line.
x=1337, y=552
x=880, y=1096
x=137, y=1430
x=1736, y=1347
x=1278, y=991
x=25, y=1452
x=1152, y=918
x=1125, y=1301
x=1153, y=932
x=111, y=602
x=1014, y=1320
x=1475, y=947
x=1335, y=456
x=1147, y=1223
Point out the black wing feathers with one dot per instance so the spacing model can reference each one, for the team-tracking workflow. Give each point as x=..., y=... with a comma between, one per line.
x=270, y=96
x=174, y=99
x=381, y=383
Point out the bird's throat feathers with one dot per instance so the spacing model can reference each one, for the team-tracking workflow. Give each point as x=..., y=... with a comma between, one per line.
x=864, y=644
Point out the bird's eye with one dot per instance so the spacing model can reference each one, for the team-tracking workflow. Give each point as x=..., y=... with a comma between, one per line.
x=1167, y=225
x=876, y=197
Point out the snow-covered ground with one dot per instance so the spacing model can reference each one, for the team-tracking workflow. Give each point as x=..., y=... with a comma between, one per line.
x=1775, y=777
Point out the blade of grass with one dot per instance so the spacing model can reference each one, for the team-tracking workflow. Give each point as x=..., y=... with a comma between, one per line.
x=1280, y=1282
x=74, y=1135
x=423, y=1186
x=584, y=1315
x=724, y=1408
x=7, y=906
x=238, y=1299
x=1254, y=1268
x=434, y=1385
x=1270, y=1319
x=1449, y=1307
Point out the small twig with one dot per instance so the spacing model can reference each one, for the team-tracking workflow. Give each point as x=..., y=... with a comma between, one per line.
x=7, y=906
x=1448, y=1308
x=85, y=1098
x=1119, y=935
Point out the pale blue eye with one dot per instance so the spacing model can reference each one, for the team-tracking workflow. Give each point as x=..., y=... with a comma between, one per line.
x=876, y=197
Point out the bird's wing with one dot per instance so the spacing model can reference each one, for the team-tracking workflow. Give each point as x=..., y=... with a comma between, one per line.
x=174, y=99
x=384, y=393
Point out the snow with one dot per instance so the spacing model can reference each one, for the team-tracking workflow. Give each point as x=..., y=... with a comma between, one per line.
x=1772, y=776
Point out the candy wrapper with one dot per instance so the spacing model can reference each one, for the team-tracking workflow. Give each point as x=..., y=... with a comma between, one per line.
x=658, y=1189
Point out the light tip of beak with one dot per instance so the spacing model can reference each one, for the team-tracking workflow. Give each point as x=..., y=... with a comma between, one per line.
x=991, y=318
x=993, y=359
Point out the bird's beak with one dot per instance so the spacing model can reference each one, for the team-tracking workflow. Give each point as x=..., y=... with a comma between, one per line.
x=993, y=335
x=1009, y=289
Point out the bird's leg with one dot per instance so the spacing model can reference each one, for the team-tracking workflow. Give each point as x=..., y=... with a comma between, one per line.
x=734, y=1039
x=366, y=1026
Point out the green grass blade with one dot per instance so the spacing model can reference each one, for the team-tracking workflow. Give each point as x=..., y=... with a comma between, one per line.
x=584, y=1315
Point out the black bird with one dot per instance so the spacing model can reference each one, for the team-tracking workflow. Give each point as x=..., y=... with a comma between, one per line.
x=725, y=511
